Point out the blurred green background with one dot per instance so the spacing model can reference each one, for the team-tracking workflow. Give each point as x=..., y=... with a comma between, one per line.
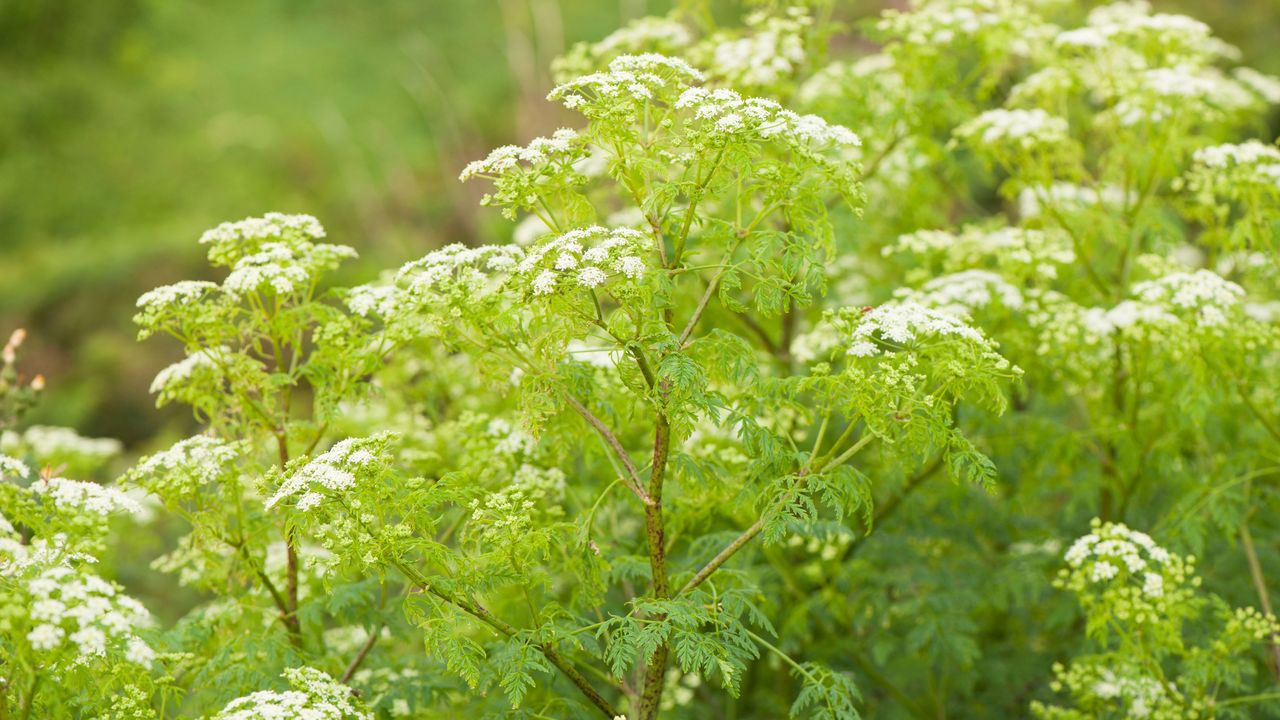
x=127, y=127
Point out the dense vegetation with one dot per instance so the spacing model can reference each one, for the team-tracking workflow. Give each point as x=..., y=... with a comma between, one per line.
x=808, y=380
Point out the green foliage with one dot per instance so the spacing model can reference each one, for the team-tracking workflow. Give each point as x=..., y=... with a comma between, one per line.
x=669, y=453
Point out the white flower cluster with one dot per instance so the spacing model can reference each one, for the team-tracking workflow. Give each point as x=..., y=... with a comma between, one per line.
x=1144, y=68
x=1175, y=312
x=644, y=33
x=1129, y=689
x=75, y=608
x=1132, y=25
x=13, y=468
x=1251, y=153
x=1112, y=547
x=183, y=370
x=457, y=269
x=334, y=470
x=585, y=258
x=1159, y=93
x=186, y=466
x=817, y=343
x=229, y=238
x=562, y=148
x=43, y=552
x=875, y=86
x=1028, y=130
x=773, y=48
x=1139, y=693
x=1124, y=573
x=1069, y=196
x=1179, y=81
x=50, y=445
x=1251, y=162
x=1202, y=293
x=629, y=81
x=1015, y=250
x=315, y=696
x=906, y=324
x=510, y=440
x=81, y=496
x=284, y=268
x=961, y=293
x=178, y=294
x=1128, y=315
x=373, y=300
x=934, y=26
x=726, y=114
x=1266, y=87
x=276, y=253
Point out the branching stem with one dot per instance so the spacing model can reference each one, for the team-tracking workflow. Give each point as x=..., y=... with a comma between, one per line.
x=548, y=651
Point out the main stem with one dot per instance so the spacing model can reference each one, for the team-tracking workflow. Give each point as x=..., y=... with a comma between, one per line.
x=29, y=700
x=656, y=671
x=1264, y=597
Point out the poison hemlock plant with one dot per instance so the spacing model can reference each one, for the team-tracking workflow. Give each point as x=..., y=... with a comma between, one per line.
x=671, y=452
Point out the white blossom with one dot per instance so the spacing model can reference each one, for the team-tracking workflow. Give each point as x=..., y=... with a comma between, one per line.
x=559, y=148
x=726, y=113
x=373, y=300
x=905, y=323
x=177, y=294
x=1068, y=196
x=186, y=465
x=772, y=48
x=510, y=440
x=633, y=78
x=315, y=696
x=1204, y=293
x=13, y=468
x=933, y=27
x=84, y=496
x=1265, y=86
x=961, y=293
x=45, y=637
x=334, y=470
x=271, y=225
x=52, y=444
x=457, y=269
x=283, y=268
x=78, y=611
x=587, y=257
x=181, y=371
x=643, y=33
x=1032, y=129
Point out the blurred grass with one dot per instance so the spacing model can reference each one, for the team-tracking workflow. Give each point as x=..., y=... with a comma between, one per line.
x=127, y=127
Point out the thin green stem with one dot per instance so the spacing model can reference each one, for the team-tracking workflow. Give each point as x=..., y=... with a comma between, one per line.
x=632, y=476
x=361, y=655
x=1249, y=699
x=1264, y=597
